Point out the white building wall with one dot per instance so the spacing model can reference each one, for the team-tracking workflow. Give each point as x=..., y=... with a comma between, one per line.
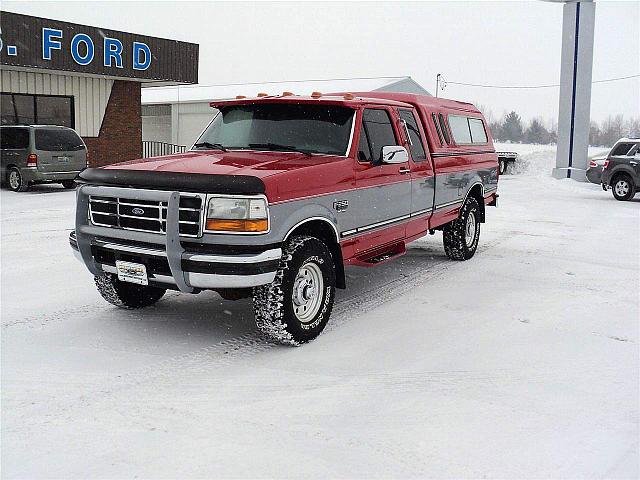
x=191, y=118
x=90, y=94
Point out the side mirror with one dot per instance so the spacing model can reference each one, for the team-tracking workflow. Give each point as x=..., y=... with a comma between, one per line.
x=392, y=154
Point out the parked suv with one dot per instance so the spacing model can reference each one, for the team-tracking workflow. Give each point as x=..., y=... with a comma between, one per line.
x=40, y=154
x=280, y=193
x=621, y=169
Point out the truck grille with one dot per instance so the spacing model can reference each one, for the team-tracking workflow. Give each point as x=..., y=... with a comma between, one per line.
x=145, y=215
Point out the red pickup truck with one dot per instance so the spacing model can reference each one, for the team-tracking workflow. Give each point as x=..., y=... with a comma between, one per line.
x=279, y=193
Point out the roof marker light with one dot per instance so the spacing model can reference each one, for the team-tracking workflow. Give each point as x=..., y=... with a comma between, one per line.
x=316, y=94
x=287, y=94
x=262, y=94
x=240, y=97
x=348, y=96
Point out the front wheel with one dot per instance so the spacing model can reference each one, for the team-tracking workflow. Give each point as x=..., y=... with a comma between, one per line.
x=296, y=306
x=461, y=235
x=127, y=295
x=623, y=188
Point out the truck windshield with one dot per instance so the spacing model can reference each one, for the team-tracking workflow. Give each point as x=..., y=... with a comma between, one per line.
x=306, y=128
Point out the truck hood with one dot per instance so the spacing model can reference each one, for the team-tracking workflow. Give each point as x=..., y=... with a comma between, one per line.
x=279, y=175
x=257, y=164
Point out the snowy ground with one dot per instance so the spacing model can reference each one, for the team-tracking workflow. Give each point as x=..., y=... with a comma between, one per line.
x=522, y=362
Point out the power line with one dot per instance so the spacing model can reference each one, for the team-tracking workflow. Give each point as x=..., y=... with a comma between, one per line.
x=535, y=86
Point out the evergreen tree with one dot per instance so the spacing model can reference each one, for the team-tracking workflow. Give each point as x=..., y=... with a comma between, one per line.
x=536, y=133
x=512, y=128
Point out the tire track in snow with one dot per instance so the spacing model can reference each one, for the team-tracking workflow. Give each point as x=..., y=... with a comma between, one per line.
x=230, y=351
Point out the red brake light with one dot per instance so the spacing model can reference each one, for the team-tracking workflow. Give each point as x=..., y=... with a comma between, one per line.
x=32, y=160
x=593, y=164
x=605, y=164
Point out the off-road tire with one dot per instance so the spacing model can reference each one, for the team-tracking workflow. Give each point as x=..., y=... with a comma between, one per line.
x=273, y=304
x=623, y=177
x=21, y=185
x=69, y=184
x=454, y=233
x=127, y=295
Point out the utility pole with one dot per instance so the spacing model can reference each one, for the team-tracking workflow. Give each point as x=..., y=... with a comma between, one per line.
x=437, y=83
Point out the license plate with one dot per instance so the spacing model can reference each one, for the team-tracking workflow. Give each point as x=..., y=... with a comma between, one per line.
x=132, y=272
x=64, y=159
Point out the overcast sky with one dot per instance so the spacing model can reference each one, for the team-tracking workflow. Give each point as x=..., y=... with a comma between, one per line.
x=498, y=43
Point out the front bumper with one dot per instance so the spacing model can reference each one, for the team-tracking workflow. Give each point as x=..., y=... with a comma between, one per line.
x=168, y=260
x=202, y=271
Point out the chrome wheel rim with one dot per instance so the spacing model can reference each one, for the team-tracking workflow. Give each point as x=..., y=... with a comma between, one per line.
x=307, y=292
x=470, y=229
x=622, y=188
x=14, y=179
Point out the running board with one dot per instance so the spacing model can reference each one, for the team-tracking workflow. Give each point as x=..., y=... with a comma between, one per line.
x=381, y=255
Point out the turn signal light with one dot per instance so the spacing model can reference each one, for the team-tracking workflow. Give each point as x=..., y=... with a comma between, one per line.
x=245, y=225
x=32, y=160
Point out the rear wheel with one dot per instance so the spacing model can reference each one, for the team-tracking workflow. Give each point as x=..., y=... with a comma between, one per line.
x=623, y=187
x=461, y=235
x=127, y=295
x=502, y=165
x=295, y=307
x=16, y=181
x=69, y=184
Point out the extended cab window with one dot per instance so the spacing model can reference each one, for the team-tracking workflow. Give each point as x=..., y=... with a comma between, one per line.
x=467, y=130
x=376, y=127
x=307, y=128
x=417, y=148
x=57, y=140
x=478, y=133
x=14, y=138
x=460, y=129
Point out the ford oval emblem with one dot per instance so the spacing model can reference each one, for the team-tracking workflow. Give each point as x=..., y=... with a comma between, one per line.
x=137, y=211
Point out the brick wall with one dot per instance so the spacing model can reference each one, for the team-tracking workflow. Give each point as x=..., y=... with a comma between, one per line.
x=120, y=136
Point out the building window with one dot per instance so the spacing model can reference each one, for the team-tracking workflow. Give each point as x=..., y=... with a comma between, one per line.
x=21, y=109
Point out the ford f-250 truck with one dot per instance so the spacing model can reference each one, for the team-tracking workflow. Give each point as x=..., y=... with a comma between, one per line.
x=279, y=193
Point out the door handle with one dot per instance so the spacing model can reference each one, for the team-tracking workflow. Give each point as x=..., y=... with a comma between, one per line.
x=633, y=163
x=404, y=170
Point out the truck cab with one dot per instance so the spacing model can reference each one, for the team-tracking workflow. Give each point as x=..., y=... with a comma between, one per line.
x=280, y=193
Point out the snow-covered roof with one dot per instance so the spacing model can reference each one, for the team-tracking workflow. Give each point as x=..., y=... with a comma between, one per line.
x=205, y=93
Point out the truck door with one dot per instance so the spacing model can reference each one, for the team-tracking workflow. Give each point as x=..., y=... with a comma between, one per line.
x=384, y=191
x=422, y=178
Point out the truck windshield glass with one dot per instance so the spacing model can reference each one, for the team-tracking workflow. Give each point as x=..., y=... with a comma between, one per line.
x=281, y=127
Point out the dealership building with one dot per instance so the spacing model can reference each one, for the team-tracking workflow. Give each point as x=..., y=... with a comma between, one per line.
x=86, y=78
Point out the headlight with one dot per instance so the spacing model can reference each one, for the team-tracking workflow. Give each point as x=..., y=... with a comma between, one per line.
x=228, y=214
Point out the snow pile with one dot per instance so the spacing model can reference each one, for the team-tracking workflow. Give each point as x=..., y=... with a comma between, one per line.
x=536, y=160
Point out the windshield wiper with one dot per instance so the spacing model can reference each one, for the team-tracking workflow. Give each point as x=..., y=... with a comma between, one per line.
x=277, y=146
x=212, y=146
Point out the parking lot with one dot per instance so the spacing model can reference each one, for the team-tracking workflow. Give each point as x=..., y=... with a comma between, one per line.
x=521, y=362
